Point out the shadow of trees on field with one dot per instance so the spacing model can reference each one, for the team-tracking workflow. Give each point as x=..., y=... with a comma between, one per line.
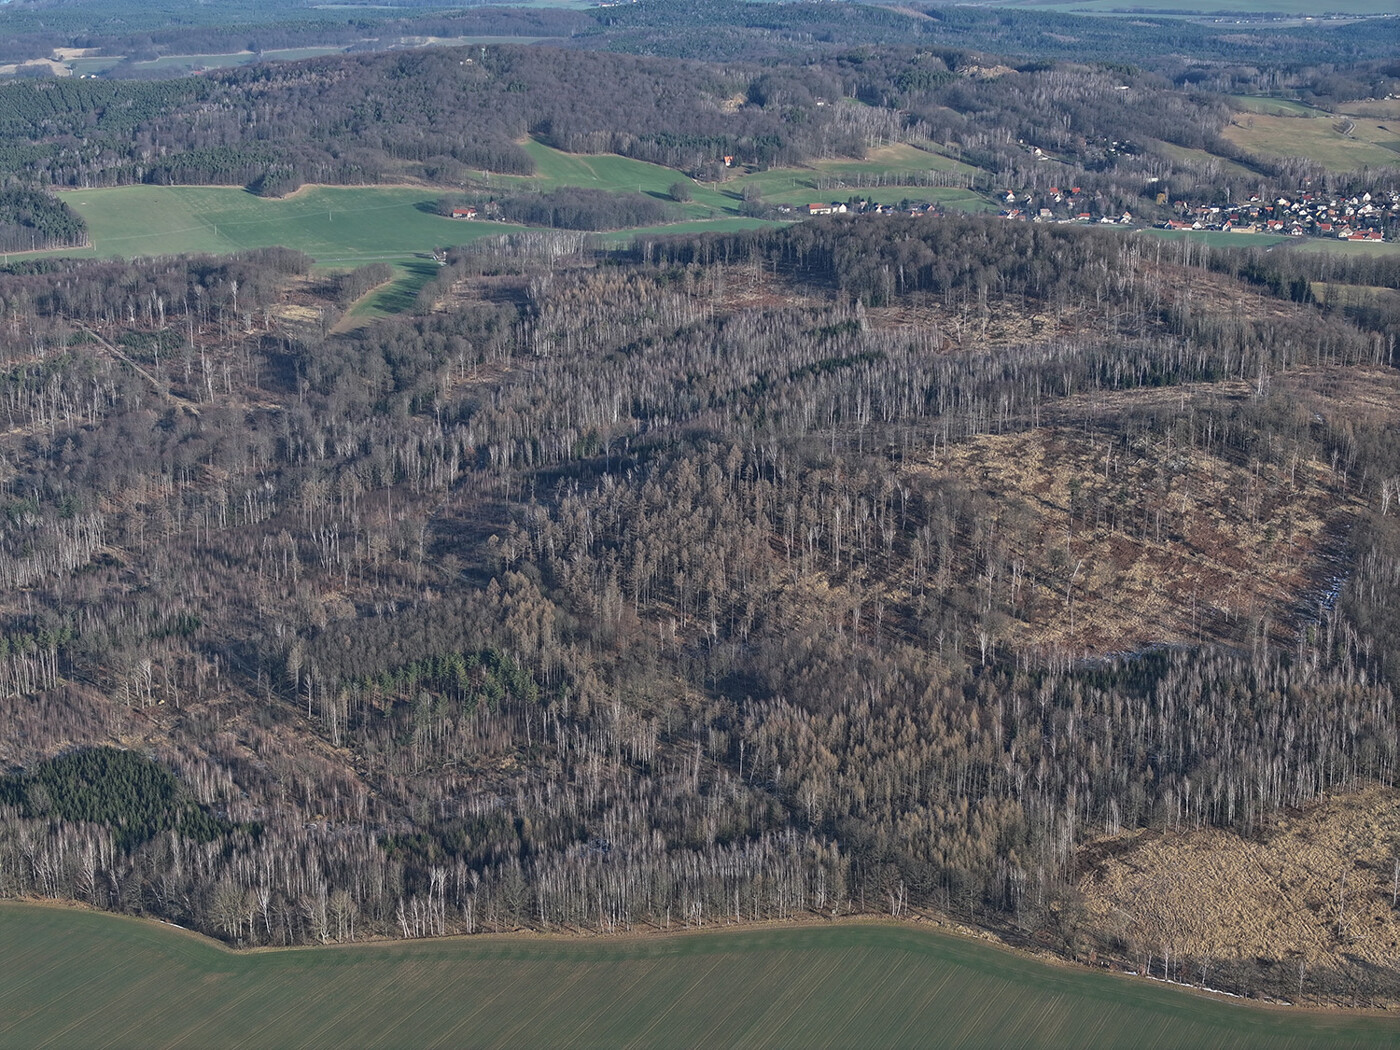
x=402, y=292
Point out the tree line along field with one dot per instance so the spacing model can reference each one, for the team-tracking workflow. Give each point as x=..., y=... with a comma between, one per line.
x=77, y=978
x=347, y=226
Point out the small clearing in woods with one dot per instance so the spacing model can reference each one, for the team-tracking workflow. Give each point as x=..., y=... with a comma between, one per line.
x=1125, y=544
x=1118, y=535
x=1316, y=885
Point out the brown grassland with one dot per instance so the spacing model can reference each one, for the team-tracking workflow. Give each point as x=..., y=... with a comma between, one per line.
x=1317, y=886
x=1338, y=142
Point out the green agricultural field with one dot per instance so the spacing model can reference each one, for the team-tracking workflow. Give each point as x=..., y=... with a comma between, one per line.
x=896, y=167
x=899, y=165
x=78, y=979
x=1219, y=239
x=608, y=171
x=339, y=227
x=345, y=226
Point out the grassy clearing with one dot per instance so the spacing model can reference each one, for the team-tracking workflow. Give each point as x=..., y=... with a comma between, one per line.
x=1282, y=107
x=900, y=157
x=75, y=978
x=1384, y=109
x=1333, y=294
x=1330, y=245
x=1327, y=244
x=1221, y=239
x=1338, y=143
x=1210, y=893
x=949, y=196
x=900, y=166
x=398, y=295
x=608, y=171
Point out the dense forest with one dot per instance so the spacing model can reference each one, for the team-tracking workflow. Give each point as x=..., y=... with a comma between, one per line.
x=32, y=219
x=706, y=580
x=435, y=113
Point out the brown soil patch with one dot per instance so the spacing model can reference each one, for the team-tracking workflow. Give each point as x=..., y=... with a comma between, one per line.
x=58, y=69
x=968, y=326
x=296, y=313
x=1318, y=886
x=1115, y=544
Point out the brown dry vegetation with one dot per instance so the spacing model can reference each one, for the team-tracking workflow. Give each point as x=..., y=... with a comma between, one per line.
x=1316, y=886
x=1124, y=547
x=1114, y=539
x=1116, y=536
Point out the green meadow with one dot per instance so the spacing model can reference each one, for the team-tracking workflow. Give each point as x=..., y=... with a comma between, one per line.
x=339, y=227
x=346, y=226
x=1337, y=142
x=80, y=979
x=899, y=167
x=1220, y=239
x=1285, y=107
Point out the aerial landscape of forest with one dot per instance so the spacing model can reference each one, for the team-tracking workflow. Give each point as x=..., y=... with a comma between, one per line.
x=725, y=523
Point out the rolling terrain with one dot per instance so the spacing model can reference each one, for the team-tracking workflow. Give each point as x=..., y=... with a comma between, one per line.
x=630, y=560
